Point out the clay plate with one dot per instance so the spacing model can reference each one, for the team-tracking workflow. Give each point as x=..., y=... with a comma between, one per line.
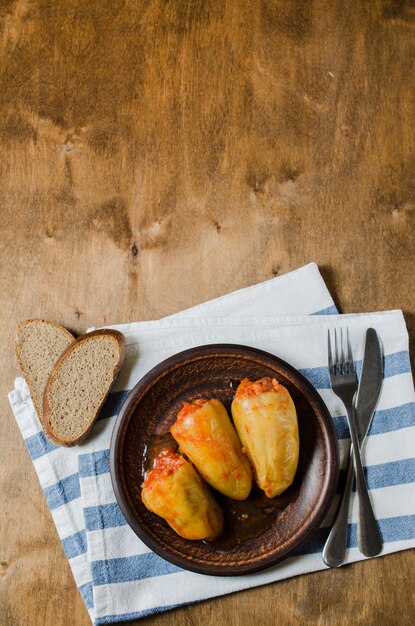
x=258, y=532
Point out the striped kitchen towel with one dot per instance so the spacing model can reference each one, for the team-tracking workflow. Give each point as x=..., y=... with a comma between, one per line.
x=118, y=576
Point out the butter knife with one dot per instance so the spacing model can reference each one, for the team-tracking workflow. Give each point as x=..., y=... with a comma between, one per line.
x=367, y=398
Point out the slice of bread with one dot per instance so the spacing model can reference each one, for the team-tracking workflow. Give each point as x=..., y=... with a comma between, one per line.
x=79, y=383
x=38, y=345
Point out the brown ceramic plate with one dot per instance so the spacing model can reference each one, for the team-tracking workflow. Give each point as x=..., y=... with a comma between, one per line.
x=258, y=532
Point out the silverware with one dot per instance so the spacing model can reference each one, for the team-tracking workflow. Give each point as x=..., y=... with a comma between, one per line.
x=367, y=398
x=344, y=384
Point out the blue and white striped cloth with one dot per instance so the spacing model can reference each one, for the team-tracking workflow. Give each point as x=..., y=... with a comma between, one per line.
x=118, y=576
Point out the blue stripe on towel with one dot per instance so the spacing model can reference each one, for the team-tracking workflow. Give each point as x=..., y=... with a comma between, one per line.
x=94, y=463
x=385, y=474
x=63, y=491
x=103, y=516
x=385, y=421
x=390, y=474
x=38, y=445
x=399, y=528
x=394, y=364
x=74, y=545
x=87, y=595
x=397, y=363
x=330, y=310
x=317, y=376
x=131, y=568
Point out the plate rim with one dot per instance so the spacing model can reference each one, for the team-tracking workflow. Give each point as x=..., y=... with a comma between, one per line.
x=151, y=378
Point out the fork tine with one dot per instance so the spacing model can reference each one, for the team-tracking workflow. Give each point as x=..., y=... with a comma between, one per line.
x=349, y=353
x=336, y=354
x=342, y=356
x=331, y=366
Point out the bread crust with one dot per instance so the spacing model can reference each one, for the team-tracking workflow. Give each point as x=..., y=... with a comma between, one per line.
x=120, y=339
x=26, y=375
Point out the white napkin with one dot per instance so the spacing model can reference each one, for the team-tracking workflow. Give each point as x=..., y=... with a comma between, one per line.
x=118, y=576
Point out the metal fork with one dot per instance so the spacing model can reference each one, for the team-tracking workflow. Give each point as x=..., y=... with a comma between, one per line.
x=344, y=384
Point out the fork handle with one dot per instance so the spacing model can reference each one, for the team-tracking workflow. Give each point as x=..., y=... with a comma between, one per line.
x=335, y=548
x=368, y=535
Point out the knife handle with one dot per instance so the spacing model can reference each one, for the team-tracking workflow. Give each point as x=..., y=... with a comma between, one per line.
x=369, y=538
x=336, y=544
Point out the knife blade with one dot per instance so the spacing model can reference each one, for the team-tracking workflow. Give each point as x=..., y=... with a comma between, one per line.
x=370, y=383
x=368, y=393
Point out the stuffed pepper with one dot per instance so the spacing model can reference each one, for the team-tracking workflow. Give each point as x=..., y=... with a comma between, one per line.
x=206, y=436
x=266, y=421
x=174, y=490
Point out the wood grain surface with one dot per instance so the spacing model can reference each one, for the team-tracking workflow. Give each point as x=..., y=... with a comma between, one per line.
x=155, y=154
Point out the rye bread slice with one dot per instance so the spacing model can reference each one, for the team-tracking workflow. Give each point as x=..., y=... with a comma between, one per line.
x=38, y=344
x=79, y=383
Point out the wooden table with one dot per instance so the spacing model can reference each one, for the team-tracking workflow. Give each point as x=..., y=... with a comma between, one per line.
x=157, y=154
